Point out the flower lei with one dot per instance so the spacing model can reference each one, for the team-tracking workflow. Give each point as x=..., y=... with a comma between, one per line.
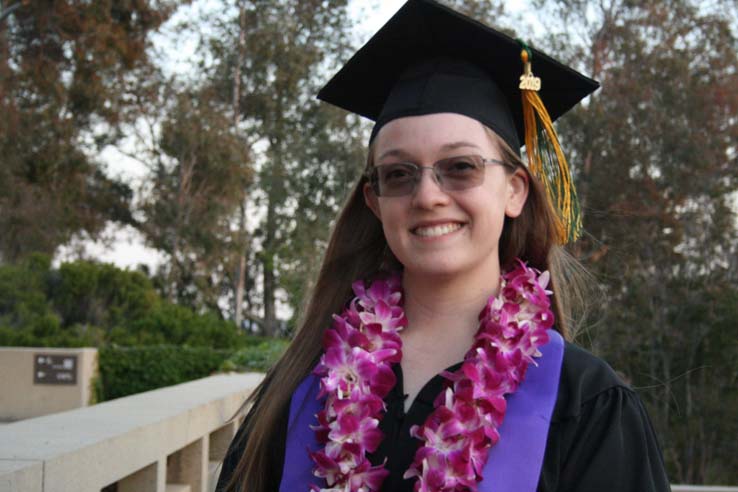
x=356, y=375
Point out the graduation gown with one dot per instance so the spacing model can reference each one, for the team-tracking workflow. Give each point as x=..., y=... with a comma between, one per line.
x=599, y=439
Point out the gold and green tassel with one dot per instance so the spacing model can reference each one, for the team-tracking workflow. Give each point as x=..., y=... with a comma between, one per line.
x=546, y=160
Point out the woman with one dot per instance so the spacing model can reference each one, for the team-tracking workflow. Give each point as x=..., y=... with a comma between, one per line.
x=444, y=366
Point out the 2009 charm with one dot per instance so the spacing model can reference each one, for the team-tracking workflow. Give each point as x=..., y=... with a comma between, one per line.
x=530, y=82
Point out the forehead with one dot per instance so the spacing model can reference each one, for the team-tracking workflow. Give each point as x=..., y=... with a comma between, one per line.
x=427, y=135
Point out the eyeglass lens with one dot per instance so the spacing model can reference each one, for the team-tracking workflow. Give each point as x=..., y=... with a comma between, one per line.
x=452, y=174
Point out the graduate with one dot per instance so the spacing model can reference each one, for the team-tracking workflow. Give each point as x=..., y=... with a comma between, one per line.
x=434, y=352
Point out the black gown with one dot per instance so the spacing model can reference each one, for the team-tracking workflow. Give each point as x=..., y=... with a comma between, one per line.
x=600, y=438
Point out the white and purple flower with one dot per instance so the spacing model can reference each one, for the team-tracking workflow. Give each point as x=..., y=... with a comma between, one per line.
x=356, y=375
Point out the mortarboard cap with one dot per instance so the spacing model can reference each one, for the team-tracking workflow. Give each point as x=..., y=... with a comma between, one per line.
x=429, y=58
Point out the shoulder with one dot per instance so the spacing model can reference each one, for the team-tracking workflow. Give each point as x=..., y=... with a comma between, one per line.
x=600, y=436
x=584, y=378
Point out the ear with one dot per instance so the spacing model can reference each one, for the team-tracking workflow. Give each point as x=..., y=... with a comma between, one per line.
x=517, y=192
x=371, y=200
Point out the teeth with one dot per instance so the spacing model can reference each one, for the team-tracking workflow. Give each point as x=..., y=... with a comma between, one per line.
x=438, y=230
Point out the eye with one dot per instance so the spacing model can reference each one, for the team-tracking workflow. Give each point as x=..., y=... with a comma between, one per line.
x=394, y=173
x=458, y=166
x=461, y=165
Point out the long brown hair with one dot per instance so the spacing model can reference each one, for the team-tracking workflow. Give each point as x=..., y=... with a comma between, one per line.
x=357, y=249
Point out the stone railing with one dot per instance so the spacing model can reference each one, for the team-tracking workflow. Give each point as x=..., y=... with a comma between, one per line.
x=167, y=440
x=703, y=488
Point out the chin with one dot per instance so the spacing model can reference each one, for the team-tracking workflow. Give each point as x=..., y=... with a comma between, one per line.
x=449, y=264
x=436, y=268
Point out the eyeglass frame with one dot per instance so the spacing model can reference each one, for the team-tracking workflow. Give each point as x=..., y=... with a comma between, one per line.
x=371, y=174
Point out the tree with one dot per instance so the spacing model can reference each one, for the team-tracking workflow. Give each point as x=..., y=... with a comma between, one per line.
x=286, y=46
x=654, y=158
x=198, y=184
x=65, y=73
x=332, y=153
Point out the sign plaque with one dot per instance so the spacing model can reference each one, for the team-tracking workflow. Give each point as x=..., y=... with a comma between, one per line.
x=55, y=369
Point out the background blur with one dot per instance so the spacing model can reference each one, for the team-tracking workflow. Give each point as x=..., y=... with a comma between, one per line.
x=168, y=182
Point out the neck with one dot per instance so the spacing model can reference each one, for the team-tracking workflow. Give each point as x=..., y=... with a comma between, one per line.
x=447, y=307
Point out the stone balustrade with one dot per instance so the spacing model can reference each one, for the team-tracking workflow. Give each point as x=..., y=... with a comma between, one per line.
x=167, y=440
x=703, y=488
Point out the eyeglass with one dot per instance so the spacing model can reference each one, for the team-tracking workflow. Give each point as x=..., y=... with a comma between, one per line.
x=452, y=174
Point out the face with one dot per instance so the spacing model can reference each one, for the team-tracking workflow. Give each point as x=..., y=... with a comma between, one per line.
x=437, y=232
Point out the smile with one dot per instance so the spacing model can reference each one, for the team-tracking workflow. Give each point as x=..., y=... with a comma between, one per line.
x=437, y=230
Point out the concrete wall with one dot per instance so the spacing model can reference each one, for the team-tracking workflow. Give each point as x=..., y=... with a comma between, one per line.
x=21, y=398
x=162, y=440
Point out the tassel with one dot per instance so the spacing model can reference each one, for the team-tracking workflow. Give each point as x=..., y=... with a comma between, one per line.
x=546, y=160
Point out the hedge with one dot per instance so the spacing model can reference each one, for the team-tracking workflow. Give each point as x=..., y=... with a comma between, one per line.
x=259, y=357
x=128, y=370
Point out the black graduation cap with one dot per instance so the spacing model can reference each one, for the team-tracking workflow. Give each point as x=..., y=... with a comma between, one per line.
x=429, y=58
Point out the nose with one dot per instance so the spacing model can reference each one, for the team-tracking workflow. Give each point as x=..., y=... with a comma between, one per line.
x=428, y=192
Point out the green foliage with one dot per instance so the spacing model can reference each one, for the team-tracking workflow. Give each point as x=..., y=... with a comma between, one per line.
x=308, y=152
x=91, y=304
x=101, y=294
x=129, y=370
x=199, y=186
x=46, y=332
x=173, y=324
x=23, y=296
x=260, y=357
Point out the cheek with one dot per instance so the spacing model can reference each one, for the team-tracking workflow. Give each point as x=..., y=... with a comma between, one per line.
x=487, y=212
x=392, y=215
x=393, y=223
x=395, y=227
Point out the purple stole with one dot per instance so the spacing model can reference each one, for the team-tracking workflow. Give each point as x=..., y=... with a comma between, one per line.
x=514, y=463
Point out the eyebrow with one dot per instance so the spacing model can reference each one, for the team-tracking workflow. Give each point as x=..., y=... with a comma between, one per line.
x=449, y=146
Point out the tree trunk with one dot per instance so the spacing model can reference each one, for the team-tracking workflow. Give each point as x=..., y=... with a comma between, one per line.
x=270, y=318
x=240, y=270
x=242, y=234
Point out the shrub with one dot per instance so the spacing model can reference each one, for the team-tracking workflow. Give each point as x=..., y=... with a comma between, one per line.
x=100, y=294
x=128, y=370
x=91, y=304
x=259, y=357
x=173, y=324
x=23, y=294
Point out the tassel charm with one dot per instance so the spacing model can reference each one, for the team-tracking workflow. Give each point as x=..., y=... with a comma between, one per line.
x=528, y=81
x=546, y=160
